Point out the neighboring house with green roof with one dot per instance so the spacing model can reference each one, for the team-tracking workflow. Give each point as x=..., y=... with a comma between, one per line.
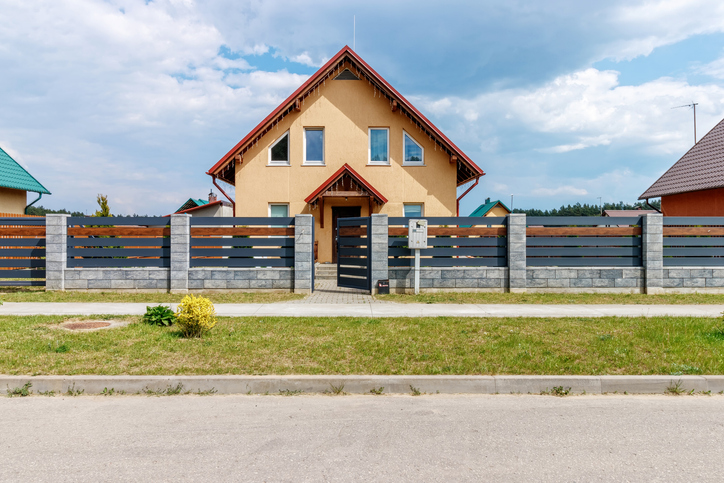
x=15, y=182
x=491, y=208
x=210, y=207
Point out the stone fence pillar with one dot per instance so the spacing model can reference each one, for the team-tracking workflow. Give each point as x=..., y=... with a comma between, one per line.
x=56, y=251
x=180, y=253
x=303, y=253
x=516, y=253
x=379, y=230
x=652, y=252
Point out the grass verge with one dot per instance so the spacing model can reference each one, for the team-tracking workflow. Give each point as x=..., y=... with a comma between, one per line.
x=24, y=294
x=277, y=345
x=554, y=298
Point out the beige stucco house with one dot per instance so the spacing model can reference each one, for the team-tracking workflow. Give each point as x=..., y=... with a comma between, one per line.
x=345, y=143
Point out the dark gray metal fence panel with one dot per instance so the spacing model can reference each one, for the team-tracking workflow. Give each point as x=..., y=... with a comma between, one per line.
x=22, y=274
x=22, y=242
x=238, y=221
x=699, y=241
x=694, y=262
x=583, y=241
x=23, y=263
x=583, y=262
x=582, y=220
x=119, y=220
x=448, y=262
x=242, y=262
x=693, y=220
x=22, y=252
x=583, y=251
x=23, y=283
x=119, y=252
x=449, y=253
x=118, y=262
x=20, y=221
x=450, y=220
x=243, y=252
x=118, y=242
x=242, y=242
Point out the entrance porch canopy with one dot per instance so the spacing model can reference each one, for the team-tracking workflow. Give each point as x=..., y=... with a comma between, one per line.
x=345, y=183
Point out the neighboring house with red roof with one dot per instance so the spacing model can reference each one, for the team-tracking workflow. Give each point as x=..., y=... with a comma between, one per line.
x=15, y=182
x=694, y=185
x=210, y=207
x=345, y=143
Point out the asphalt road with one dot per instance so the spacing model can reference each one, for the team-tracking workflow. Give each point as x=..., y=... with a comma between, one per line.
x=362, y=438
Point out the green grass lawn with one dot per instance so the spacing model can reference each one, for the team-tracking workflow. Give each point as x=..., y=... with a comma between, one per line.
x=23, y=294
x=277, y=345
x=552, y=298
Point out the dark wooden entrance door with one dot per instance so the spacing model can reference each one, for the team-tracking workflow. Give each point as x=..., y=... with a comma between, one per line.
x=341, y=212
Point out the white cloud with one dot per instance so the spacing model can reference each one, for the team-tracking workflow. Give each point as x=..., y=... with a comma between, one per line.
x=561, y=190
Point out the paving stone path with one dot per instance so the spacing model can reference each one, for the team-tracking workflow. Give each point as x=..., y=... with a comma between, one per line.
x=327, y=292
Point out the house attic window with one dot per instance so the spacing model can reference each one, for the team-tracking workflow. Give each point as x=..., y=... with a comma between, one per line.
x=279, y=151
x=414, y=153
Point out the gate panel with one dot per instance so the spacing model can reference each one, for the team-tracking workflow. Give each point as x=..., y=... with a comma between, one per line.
x=354, y=253
x=22, y=251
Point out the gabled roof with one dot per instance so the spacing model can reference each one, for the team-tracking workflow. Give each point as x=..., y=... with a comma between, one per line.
x=346, y=58
x=14, y=176
x=483, y=209
x=345, y=170
x=192, y=203
x=702, y=168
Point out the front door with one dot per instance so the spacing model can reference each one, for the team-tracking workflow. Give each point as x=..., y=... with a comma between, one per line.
x=341, y=212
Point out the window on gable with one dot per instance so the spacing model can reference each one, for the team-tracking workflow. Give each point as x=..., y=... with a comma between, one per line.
x=414, y=153
x=379, y=151
x=279, y=151
x=314, y=146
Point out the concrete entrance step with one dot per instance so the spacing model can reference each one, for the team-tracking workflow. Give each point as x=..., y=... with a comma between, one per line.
x=325, y=271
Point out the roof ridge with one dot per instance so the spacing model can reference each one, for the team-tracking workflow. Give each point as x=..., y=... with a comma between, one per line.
x=7, y=158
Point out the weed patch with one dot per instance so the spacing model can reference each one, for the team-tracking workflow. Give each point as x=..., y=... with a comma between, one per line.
x=21, y=391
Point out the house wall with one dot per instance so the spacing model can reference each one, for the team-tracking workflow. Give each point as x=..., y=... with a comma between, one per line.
x=12, y=201
x=695, y=203
x=497, y=210
x=346, y=109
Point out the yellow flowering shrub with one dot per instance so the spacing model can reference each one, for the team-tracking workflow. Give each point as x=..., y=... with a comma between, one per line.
x=195, y=315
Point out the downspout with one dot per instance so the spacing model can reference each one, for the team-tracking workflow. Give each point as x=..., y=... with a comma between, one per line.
x=40, y=195
x=233, y=204
x=466, y=192
x=652, y=207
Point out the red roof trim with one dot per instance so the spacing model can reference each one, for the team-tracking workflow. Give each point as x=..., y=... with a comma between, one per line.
x=312, y=197
x=302, y=88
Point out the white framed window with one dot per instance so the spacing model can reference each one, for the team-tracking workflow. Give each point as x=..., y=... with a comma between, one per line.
x=413, y=210
x=279, y=151
x=413, y=154
x=378, y=151
x=278, y=210
x=314, y=146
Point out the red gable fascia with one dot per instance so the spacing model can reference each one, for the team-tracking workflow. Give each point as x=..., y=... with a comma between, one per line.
x=311, y=80
x=338, y=174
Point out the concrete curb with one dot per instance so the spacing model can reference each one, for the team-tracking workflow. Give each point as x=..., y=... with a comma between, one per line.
x=367, y=384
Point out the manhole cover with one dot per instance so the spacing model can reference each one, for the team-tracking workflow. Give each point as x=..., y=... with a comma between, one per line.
x=85, y=325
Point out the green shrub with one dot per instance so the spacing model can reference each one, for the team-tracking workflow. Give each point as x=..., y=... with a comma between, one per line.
x=195, y=316
x=159, y=315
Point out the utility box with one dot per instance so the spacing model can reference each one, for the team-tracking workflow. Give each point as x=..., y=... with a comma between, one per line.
x=417, y=234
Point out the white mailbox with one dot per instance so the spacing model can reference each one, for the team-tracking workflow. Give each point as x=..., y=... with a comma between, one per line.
x=417, y=234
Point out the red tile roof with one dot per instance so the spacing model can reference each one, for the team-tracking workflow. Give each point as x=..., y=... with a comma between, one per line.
x=470, y=169
x=702, y=168
x=338, y=174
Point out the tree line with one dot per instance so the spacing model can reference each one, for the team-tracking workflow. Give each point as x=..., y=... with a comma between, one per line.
x=588, y=210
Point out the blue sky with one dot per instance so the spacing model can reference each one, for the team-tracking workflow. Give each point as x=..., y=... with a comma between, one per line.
x=558, y=101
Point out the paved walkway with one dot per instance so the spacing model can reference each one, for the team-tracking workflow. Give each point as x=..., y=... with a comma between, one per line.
x=378, y=310
x=327, y=292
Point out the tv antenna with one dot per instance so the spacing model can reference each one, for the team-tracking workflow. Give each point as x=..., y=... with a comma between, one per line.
x=693, y=105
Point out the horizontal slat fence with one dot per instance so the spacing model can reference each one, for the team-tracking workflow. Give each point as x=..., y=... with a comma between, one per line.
x=242, y=242
x=452, y=242
x=22, y=251
x=693, y=241
x=107, y=242
x=576, y=241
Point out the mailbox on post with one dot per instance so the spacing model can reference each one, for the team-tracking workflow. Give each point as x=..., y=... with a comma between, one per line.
x=417, y=240
x=417, y=234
